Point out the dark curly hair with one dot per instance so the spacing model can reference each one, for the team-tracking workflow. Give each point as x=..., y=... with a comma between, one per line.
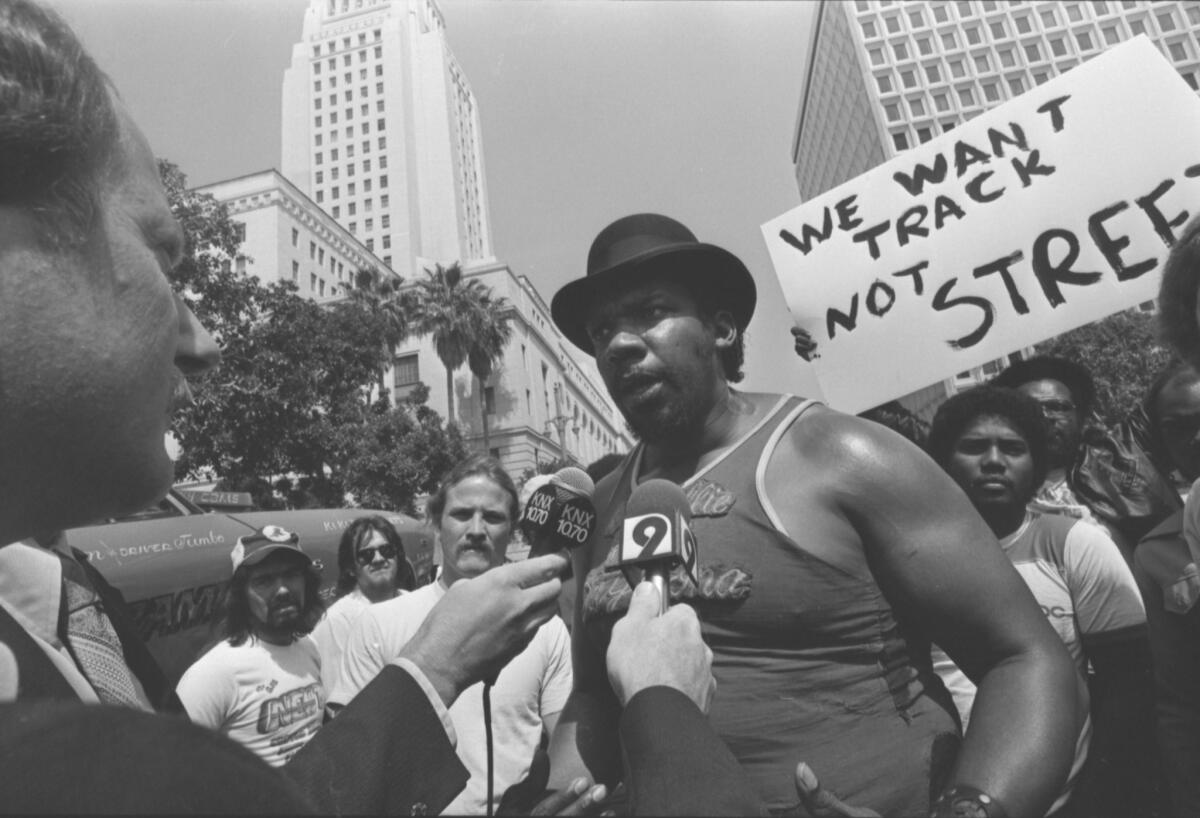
x=238, y=624
x=1072, y=375
x=1177, y=320
x=963, y=409
x=58, y=125
x=1171, y=372
x=357, y=533
x=476, y=465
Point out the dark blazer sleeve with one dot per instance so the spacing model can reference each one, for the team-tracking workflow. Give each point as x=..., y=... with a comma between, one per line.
x=386, y=752
x=674, y=762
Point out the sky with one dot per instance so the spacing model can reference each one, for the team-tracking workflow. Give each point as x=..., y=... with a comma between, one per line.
x=591, y=110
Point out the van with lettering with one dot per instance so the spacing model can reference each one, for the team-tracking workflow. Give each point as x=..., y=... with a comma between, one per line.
x=171, y=562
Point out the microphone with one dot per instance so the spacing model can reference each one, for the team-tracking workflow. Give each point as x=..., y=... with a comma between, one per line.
x=560, y=514
x=657, y=535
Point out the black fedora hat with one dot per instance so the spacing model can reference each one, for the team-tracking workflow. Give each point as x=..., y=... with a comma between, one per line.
x=635, y=245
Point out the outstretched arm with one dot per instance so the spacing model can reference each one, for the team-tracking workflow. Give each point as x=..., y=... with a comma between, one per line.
x=585, y=743
x=941, y=570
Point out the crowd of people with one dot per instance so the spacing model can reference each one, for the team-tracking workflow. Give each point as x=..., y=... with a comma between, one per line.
x=874, y=627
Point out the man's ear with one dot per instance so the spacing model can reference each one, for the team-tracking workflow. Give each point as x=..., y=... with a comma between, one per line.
x=725, y=330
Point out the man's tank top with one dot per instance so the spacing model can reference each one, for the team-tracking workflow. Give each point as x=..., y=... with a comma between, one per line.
x=810, y=660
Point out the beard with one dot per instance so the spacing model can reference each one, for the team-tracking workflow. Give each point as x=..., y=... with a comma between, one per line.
x=664, y=422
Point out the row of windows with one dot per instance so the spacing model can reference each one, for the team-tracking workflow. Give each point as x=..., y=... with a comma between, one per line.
x=350, y=167
x=365, y=126
x=331, y=46
x=351, y=188
x=316, y=284
x=366, y=148
x=352, y=209
x=347, y=77
x=318, y=102
x=1015, y=55
x=993, y=92
x=347, y=60
x=348, y=94
x=941, y=12
x=364, y=110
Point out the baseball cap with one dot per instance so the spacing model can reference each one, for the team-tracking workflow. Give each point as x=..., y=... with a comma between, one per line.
x=254, y=548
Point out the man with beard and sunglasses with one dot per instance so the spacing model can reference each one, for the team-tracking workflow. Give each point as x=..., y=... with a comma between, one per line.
x=261, y=685
x=830, y=551
x=993, y=442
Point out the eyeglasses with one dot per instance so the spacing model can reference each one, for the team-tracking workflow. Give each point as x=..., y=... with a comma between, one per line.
x=366, y=556
x=1057, y=408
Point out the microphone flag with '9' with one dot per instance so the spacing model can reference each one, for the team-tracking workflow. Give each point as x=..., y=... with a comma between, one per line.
x=656, y=534
x=560, y=514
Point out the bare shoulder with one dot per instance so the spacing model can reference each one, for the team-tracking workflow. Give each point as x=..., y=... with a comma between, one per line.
x=849, y=446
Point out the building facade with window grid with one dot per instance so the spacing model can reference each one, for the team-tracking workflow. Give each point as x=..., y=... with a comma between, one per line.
x=380, y=128
x=286, y=236
x=885, y=75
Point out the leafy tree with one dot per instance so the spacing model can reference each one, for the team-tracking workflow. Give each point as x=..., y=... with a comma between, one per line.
x=225, y=301
x=288, y=416
x=396, y=454
x=1123, y=353
x=463, y=318
x=391, y=307
x=492, y=334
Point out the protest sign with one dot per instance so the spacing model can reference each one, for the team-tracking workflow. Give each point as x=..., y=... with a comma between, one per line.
x=1045, y=213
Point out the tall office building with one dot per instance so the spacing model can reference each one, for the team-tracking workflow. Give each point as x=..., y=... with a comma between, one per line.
x=883, y=76
x=380, y=129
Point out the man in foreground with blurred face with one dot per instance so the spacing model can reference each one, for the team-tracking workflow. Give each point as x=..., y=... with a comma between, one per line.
x=93, y=350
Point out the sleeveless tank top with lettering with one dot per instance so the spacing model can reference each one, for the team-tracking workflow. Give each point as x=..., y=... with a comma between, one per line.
x=810, y=660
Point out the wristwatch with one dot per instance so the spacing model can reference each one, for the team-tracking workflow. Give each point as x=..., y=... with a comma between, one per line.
x=966, y=802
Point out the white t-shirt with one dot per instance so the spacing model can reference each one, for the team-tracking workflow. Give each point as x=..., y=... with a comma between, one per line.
x=532, y=687
x=333, y=630
x=264, y=696
x=1083, y=586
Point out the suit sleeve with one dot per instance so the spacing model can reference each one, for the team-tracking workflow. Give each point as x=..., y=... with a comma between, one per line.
x=387, y=752
x=674, y=762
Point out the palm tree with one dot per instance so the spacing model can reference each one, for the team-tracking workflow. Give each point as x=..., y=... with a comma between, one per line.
x=466, y=323
x=382, y=297
x=492, y=335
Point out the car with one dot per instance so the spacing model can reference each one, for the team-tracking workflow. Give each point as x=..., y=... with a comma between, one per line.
x=172, y=563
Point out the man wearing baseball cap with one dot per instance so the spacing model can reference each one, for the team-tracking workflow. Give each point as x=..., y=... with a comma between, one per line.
x=830, y=552
x=261, y=685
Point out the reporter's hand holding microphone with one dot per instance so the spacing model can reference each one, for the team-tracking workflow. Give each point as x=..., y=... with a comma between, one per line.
x=649, y=650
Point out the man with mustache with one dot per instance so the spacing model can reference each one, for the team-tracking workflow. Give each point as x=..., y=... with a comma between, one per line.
x=261, y=685
x=473, y=514
x=993, y=443
x=830, y=551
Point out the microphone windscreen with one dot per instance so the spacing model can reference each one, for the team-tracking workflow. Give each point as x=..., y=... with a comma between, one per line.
x=576, y=480
x=658, y=497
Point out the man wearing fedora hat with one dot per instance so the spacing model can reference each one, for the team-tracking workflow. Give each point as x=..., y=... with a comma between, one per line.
x=831, y=551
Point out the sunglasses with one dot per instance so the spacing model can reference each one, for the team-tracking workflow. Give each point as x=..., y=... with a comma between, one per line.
x=366, y=556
